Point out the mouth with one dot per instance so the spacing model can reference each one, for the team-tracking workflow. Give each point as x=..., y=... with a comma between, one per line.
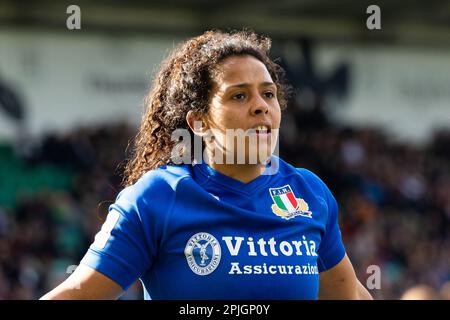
x=260, y=130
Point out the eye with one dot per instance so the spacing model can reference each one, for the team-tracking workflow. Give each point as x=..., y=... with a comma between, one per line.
x=239, y=96
x=269, y=94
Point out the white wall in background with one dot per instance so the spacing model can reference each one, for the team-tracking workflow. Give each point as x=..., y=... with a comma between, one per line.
x=406, y=90
x=68, y=79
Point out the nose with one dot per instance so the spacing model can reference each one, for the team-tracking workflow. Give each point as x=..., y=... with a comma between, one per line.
x=260, y=106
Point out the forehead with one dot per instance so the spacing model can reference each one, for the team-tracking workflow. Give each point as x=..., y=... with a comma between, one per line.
x=241, y=69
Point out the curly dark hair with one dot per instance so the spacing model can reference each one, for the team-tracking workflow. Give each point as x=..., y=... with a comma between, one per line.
x=184, y=83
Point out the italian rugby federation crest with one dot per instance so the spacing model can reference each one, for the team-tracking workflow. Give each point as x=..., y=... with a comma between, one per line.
x=286, y=205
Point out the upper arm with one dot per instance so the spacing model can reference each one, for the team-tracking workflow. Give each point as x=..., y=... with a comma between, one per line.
x=126, y=245
x=339, y=282
x=331, y=250
x=337, y=278
x=85, y=283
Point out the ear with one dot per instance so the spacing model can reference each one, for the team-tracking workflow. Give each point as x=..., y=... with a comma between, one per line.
x=196, y=124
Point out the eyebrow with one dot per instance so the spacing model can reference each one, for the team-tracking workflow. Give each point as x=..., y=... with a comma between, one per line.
x=245, y=85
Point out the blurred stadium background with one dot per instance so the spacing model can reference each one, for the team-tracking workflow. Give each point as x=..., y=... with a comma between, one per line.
x=370, y=114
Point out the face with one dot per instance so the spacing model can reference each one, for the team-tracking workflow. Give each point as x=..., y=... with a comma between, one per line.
x=244, y=113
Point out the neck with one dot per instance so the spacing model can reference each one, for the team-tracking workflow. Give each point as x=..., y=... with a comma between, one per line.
x=242, y=172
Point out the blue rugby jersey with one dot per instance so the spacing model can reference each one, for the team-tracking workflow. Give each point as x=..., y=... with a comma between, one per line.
x=190, y=232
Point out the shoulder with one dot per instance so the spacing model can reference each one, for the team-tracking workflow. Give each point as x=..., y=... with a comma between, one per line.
x=308, y=179
x=313, y=179
x=306, y=176
x=154, y=188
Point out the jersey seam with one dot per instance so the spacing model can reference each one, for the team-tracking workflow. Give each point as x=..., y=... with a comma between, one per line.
x=170, y=212
x=166, y=226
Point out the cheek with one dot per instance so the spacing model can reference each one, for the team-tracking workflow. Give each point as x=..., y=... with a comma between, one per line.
x=224, y=118
x=233, y=121
x=218, y=120
x=215, y=116
x=277, y=116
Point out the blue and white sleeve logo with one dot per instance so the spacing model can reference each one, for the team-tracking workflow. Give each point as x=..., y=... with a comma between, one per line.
x=102, y=237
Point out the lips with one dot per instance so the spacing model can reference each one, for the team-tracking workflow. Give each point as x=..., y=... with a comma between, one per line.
x=261, y=129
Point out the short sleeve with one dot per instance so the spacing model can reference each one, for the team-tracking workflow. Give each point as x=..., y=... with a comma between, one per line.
x=121, y=249
x=331, y=250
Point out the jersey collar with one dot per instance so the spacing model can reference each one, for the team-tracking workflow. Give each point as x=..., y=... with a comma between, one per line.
x=205, y=174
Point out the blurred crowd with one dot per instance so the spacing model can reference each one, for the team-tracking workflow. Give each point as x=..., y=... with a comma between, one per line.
x=46, y=232
x=394, y=201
